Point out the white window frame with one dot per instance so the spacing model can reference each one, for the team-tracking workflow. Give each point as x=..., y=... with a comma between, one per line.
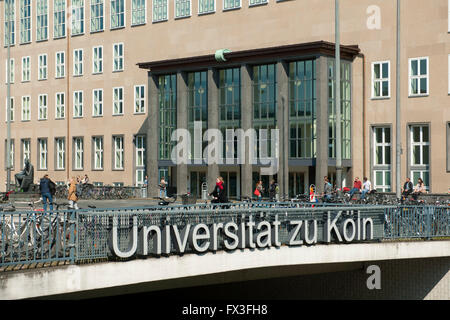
x=40, y=28
x=26, y=108
x=139, y=102
x=118, y=152
x=205, y=12
x=78, y=6
x=12, y=110
x=175, y=7
x=381, y=79
x=60, y=145
x=11, y=154
x=96, y=60
x=118, y=104
x=421, y=167
x=60, y=66
x=124, y=15
x=101, y=17
x=78, y=147
x=43, y=68
x=26, y=150
x=43, y=107
x=231, y=8
x=153, y=12
x=60, y=108
x=97, y=104
x=26, y=69
x=78, y=60
x=30, y=23
x=62, y=14
x=43, y=153
x=418, y=77
x=259, y=3
x=118, y=57
x=98, y=152
x=140, y=159
x=78, y=104
x=11, y=70
x=9, y=21
x=134, y=10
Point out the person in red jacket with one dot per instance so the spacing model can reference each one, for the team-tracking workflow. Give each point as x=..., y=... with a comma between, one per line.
x=357, y=185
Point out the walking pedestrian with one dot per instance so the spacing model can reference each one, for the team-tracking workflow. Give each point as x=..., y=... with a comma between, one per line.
x=259, y=190
x=162, y=188
x=72, y=197
x=219, y=193
x=47, y=188
x=273, y=190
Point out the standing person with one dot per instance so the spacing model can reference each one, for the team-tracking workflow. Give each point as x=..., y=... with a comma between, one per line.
x=367, y=186
x=219, y=193
x=259, y=190
x=419, y=189
x=46, y=187
x=327, y=189
x=72, y=197
x=407, y=188
x=273, y=190
x=162, y=188
x=356, y=187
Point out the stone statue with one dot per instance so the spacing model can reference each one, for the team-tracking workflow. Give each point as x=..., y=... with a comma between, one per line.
x=25, y=178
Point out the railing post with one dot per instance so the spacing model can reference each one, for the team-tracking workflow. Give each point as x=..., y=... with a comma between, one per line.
x=73, y=234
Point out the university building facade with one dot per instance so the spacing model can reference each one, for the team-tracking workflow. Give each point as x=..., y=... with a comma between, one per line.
x=98, y=87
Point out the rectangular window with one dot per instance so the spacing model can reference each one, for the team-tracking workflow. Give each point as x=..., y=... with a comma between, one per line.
x=10, y=21
x=138, y=12
x=60, y=105
x=140, y=159
x=11, y=154
x=78, y=104
x=26, y=69
x=97, y=103
x=118, y=152
x=206, y=6
x=302, y=102
x=26, y=151
x=26, y=108
x=117, y=14
x=41, y=20
x=418, y=76
x=231, y=4
x=42, y=65
x=118, y=57
x=139, y=99
x=97, y=15
x=60, y=65
x=60, y=145
x=42, y=154
x=98, y=153
x=12, y=109
x=77, y=17
x=182, y=8
x=420, y=153
x=381, y=79
x=382, y=158
x=118, y=101
x=11, y=70
x=59, y=18
x=97, y=60
x=78, y=153
x=160, y=10
x=167, y=102
x=25, y=21
x=42, y=106
x=78, y=62
x=257, y=2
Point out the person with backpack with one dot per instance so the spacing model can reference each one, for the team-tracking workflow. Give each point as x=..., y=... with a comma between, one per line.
x=48, y=189
x=72, y=197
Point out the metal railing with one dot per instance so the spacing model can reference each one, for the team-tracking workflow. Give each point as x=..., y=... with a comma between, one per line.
x=83, y=235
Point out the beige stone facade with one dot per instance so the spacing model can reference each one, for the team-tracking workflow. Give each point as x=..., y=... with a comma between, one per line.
x=368, y=24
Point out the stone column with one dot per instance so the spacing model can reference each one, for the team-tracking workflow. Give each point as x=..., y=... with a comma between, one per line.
x=321, y=122
x=283, y=126
x=213, y=121
x=182, y=123
x=246, y=124
x=153, y=136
